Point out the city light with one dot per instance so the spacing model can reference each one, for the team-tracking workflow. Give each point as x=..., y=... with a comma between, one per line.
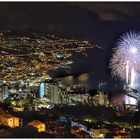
x=24, y=57
x=54, y=76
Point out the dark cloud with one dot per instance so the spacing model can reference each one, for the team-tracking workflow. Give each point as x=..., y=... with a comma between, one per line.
x=62, y=16
x=30, y=12
x=113, y=10
x=45, y=16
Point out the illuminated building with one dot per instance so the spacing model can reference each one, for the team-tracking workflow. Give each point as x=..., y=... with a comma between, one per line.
x=102, y=98
x=126, y=136
x=37, y=124
x=42, y=89
x=122, y=134
x=18, y=109
x=9, y=120
x=99, y=98
x=54, y=92
x=100, y=132
x=82, y=98
x=96, y=97
x=81, y=88
x=3, y=91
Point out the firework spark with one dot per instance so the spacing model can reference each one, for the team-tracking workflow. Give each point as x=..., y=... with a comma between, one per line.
x=126, y=56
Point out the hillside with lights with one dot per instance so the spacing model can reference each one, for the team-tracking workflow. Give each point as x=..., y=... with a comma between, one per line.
x=28, y=55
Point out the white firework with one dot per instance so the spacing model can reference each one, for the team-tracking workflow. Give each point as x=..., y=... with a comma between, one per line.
x=126, y=55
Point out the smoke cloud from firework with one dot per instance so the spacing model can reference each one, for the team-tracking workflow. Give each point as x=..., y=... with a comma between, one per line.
x=127, y=51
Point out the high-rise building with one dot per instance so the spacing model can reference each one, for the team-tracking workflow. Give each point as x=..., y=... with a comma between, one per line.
x=3, y=91
x=42, y=89
x=53, y=91
x=103, y=98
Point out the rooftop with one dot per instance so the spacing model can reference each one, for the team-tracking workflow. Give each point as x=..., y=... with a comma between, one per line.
x=35, y=122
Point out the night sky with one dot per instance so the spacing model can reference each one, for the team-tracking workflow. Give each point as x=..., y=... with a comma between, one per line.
x=99, y=23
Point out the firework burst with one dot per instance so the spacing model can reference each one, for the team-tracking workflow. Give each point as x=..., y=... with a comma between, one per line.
x=126, y=55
